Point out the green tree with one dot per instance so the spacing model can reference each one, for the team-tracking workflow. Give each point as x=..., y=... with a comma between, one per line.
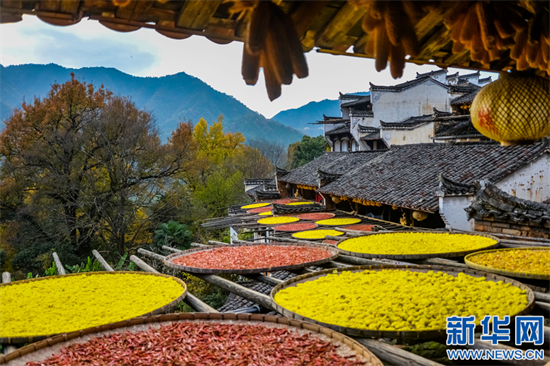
x=173, y=234
x=308, y=149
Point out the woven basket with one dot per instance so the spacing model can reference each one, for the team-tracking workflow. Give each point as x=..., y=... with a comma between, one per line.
x=469, y=263
x=420, y=256
x=163, y=309
x=60, y=341
x=168, y=261
x=513, y=110
x=355, y=332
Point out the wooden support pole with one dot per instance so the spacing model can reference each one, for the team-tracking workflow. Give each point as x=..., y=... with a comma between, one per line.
x=58, y=264
x=479, y=344
x=541, y=296
x=198, y=305
x=214, y=242
x=152, y=255
x=337, y=238
x=242, y=291
x=394, y=355
x=265, y=279
x=102, y=260
x=444, y=262
x=195, y=245
x=358, y=261
x=170, y=249
x=290, y=240
x=333, y=264
x=6, y=278
x=141, y=264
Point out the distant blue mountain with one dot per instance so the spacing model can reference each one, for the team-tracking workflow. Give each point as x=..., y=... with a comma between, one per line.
x=300, y=118
x=169, y=98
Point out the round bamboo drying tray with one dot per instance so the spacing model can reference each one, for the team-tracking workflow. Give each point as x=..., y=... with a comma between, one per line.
x=356, y=332
x=168, y=261
x=504, y=272
x=418, y=256
x=163, y=309
x=56, y=343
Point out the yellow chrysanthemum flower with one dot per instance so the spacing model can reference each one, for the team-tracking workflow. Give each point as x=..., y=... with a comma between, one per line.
x=400, y=300
x=266, y=213
x=415, y=243
x=338, y=222
x=255, y=205
x=278, y=220
x=70, y=303
x=534, y=261
x=316, y=234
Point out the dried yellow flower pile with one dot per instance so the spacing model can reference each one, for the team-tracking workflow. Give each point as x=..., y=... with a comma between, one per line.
x=66, y=304
x=267, y=213
x=527, y=261
x=255, y=205
x=338, y=222
x=415, y=243
x=278, y=220
x=316, y=234
x=400, y=300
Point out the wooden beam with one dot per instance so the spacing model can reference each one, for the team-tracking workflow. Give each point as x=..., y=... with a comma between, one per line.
x=333, y=264
x=198, y=305
x=214, y=242
x=338, y=27
x=152, y=255
x=393, y=355
x=58, y=264
x=358, y=261
x=258, y=298
x=305, y=14
x=141, y=264
x=444, y=262
x=170, y=249
x=196, y=14
x=544, y=306
x=272, y=281
x=542, y=296
x=102, y=261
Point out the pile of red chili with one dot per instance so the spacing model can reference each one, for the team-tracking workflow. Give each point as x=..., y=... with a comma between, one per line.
x=360, y=227
x=202, y=344
x=260, y=209
x=316, y=216
x=251, y=257
x=296, y=227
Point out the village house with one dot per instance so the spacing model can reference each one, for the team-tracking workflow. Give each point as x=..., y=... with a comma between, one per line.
x=431, y=108
x=426, y=185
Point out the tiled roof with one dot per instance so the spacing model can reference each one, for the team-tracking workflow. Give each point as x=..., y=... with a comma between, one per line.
x=491, y=202
x=448, y=187
x=405, y=85
x=431, y=73
x=342, y=129
x=467, y=98
x=408, y=124
x=330, y=162
x=407, y=175
x=488, y=79
x=466, y=76
x=464, y=88
x=368, y=129
x=362, y=100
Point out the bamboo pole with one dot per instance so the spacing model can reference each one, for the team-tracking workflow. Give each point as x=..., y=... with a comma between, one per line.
x=58, y=264
x=541, y=296
x=395, y=355
x=333, y=264
x=265, y=279
x=6, y=278
x=444, y=262
x=170, y=249
x=102, y=261
x=542, y=306
x=152, y=255
x=198, y=305
x=214, y=242
x=358, y=261
x=337, y=238
x=141, y=264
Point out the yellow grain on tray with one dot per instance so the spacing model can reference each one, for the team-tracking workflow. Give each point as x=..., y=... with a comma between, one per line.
x=316, y=234
x=338, y=222
x=255, y=205
x=278, y=220
x=70, y=303
x=400, y=300
x=528, y=261
x=415, y=243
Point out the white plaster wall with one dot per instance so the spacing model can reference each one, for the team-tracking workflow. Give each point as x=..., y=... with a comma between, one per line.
x=419, y=135
x=531, y=182
x=344, y=144
x=452, y=207
x=336, y=145
x=416, y=101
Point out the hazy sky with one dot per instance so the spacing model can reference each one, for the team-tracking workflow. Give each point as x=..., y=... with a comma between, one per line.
x=147, y=53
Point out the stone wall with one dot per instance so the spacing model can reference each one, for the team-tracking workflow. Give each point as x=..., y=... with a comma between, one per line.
x=488, y=225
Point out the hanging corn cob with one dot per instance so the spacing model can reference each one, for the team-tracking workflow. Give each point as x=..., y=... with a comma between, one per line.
x=271, y=43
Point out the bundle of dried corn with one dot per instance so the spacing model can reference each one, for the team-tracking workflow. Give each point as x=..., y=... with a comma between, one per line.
x=271, y=43
x=487, y=29
x=390, y=26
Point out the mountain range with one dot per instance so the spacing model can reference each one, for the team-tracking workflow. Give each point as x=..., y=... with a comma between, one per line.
x=170, y=99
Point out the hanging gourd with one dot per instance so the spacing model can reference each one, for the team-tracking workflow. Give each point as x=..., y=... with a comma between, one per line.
x=514, y=110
